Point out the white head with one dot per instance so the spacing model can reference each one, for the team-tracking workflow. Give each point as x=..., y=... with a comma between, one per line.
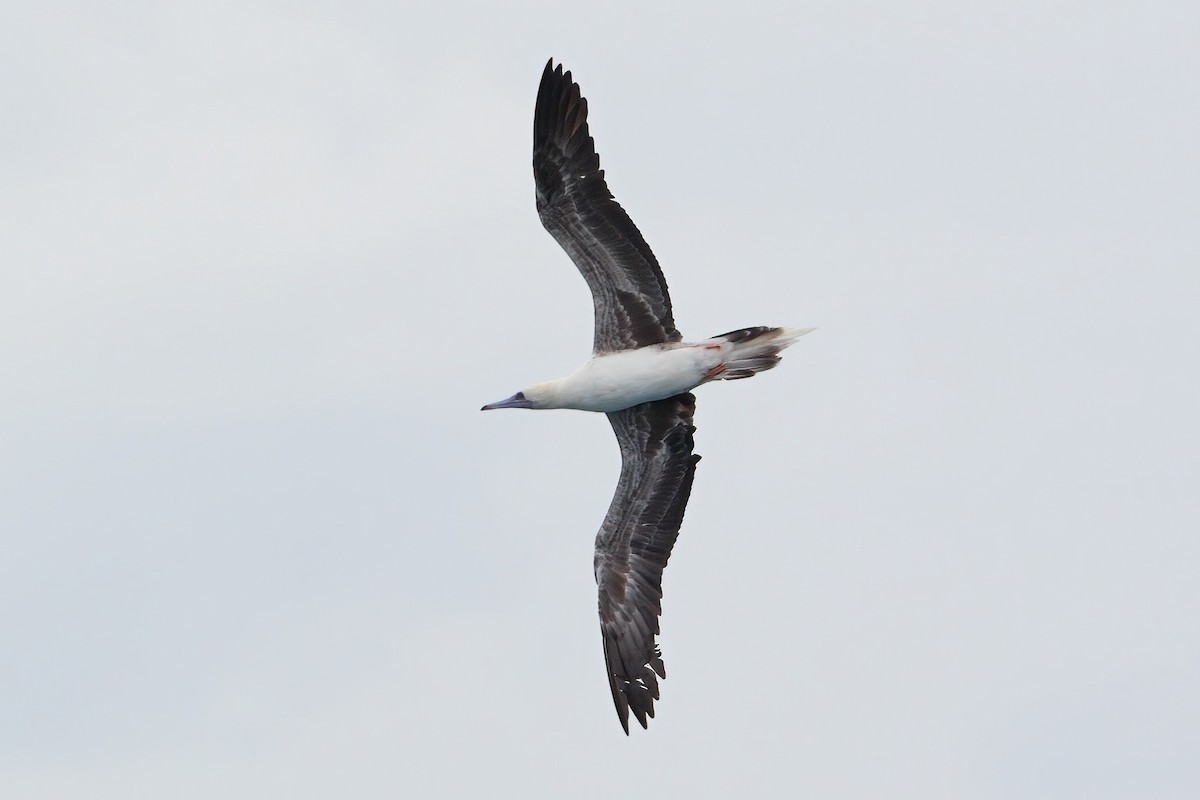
x=539, y=395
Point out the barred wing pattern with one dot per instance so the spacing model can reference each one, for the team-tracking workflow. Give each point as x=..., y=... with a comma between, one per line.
x=629, y=293
x=635, y=541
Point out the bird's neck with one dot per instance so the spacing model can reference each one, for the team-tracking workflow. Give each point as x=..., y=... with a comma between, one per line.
x=550, y=394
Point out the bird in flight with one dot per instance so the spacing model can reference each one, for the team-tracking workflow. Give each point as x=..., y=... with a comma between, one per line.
x=641, y=374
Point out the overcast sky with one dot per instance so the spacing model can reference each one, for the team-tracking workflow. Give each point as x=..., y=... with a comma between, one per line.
x=261, y=263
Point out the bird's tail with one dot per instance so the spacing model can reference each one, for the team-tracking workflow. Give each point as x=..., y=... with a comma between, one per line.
x=753, y=350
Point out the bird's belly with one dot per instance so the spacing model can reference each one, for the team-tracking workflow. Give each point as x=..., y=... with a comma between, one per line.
x=616, y=381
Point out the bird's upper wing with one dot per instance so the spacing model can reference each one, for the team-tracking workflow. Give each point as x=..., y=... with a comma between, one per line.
x=635, y=541
x=629, y=292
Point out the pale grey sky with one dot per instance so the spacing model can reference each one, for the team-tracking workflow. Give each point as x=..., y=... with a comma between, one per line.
x=260, y=264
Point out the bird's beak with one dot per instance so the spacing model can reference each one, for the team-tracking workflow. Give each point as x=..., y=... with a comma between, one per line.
x=516, y=401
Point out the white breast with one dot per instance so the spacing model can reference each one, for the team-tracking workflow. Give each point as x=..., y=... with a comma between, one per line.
x=614, y=381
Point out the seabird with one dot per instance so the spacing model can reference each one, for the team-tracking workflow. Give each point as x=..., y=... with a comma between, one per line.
x=641, y=374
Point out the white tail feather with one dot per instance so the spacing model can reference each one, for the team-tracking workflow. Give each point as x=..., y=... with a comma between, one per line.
x=754, y=350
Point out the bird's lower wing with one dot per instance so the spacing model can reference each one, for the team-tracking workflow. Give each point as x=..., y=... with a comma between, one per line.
x=635, y=541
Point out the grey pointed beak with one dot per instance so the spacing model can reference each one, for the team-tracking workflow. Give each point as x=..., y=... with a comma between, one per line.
x=516, y=401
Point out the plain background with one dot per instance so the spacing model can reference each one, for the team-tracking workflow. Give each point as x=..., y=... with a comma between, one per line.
x=261, y=263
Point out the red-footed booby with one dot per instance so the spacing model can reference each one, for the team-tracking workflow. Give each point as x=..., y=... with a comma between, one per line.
x=641, y=375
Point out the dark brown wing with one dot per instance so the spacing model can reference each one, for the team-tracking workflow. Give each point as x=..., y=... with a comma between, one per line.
x=629, y=292
x=635, y=541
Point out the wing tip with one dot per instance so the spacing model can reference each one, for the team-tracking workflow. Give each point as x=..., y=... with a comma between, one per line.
x=642, y=708
x=553, y=70
x=560, y=130
x=634, y=693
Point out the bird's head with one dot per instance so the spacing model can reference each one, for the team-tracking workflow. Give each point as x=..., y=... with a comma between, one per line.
x=539, y=395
